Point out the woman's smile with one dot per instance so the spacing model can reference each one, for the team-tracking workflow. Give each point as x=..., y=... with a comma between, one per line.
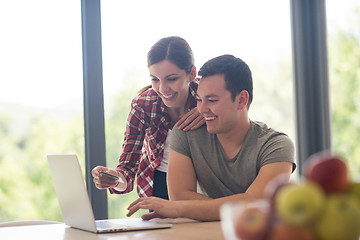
x=169, y=97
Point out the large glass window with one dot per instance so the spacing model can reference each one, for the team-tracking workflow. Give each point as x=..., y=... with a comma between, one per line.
x=343, y=22
x=40, y=102
x=256, y=31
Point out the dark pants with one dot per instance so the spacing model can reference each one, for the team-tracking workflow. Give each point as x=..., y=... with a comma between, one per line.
x=160, y=187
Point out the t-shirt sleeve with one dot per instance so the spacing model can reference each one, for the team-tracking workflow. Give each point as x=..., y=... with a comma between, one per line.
x=179, y=142
x=278, y=148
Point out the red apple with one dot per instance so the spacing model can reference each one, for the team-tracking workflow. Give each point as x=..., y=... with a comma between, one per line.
x=253, y=222
x=329, y=171
x=286, y=231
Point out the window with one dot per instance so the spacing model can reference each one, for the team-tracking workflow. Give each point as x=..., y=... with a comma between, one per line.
x=41, y=105
x=344, y=53
x=260, y=36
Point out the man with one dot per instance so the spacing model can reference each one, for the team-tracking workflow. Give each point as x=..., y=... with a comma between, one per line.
x=232, y=157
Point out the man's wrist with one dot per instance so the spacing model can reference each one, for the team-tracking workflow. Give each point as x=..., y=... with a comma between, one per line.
x=181, y=208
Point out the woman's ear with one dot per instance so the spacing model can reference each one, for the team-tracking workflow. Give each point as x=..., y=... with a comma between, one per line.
x=243, y=99
x=193, y=73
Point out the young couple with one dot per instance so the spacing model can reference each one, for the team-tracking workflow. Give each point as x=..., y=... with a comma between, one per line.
x=230, y=157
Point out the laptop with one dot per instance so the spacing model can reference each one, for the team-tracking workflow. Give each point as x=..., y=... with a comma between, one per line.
x=75, y=203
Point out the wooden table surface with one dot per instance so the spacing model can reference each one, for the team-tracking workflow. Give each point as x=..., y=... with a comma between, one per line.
x=183, y=229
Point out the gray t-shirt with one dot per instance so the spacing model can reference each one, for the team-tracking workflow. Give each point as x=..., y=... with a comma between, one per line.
x=219, y=176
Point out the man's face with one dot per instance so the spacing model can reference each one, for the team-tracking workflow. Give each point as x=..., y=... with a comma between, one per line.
x=215, y=103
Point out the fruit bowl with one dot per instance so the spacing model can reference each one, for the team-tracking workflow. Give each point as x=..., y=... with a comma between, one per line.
x=324, y=204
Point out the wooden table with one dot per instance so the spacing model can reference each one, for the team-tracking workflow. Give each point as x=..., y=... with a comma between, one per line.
x=182, y=229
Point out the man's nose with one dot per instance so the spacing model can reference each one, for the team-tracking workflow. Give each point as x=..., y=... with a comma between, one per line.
x=201, y=106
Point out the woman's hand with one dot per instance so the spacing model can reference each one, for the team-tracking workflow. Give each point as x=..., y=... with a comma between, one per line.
x=191, y=120
x=103, y=181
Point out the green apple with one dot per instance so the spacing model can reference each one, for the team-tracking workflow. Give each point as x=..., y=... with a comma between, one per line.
x=274, y=185
x=300, y=204
x=340, y=220
x=354, y=190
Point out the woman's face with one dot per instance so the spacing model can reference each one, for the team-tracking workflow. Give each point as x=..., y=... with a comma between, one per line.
x=171, y=83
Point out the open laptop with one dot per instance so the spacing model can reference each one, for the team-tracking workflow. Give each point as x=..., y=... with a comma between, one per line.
x=75, y=203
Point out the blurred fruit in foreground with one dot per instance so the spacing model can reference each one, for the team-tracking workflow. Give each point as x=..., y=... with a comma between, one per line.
x=300, y=204
x=329, y=171
x=354, y=190
x=340, y=220
x=253, y=221
x=285, y=231
x=324, y=205
x=273, y=187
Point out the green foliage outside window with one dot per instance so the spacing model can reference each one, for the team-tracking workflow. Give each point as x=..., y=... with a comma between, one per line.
x=344, y=68
x=26, y=188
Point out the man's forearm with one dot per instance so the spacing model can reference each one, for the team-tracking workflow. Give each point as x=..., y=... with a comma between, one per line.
x=207, y=209
x=202, y=210
x=188, y=195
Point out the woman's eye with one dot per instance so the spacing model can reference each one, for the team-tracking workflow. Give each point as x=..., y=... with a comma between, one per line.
x=198, y=99
x=172, y=79
x=154, y=79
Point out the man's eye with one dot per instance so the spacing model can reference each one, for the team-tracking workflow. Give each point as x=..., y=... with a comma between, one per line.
x=198, y=99
x=212, y=100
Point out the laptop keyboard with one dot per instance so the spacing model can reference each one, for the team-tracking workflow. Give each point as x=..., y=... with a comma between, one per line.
x=105, y=224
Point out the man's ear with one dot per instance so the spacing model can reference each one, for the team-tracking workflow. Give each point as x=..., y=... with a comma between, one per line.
x=243, y=99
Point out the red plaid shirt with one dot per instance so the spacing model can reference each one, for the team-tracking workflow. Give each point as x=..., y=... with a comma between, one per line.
x=144, y=142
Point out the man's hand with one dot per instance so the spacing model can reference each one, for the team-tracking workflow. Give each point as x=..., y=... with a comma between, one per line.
x=161, y=208
x=191, y=120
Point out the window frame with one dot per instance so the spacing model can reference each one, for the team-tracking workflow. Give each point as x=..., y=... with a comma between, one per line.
x=310, y=68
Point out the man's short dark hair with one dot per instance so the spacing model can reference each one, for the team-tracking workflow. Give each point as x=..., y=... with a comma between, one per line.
x=237, y=74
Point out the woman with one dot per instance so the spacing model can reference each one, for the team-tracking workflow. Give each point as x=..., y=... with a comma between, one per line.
x=168, y=101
